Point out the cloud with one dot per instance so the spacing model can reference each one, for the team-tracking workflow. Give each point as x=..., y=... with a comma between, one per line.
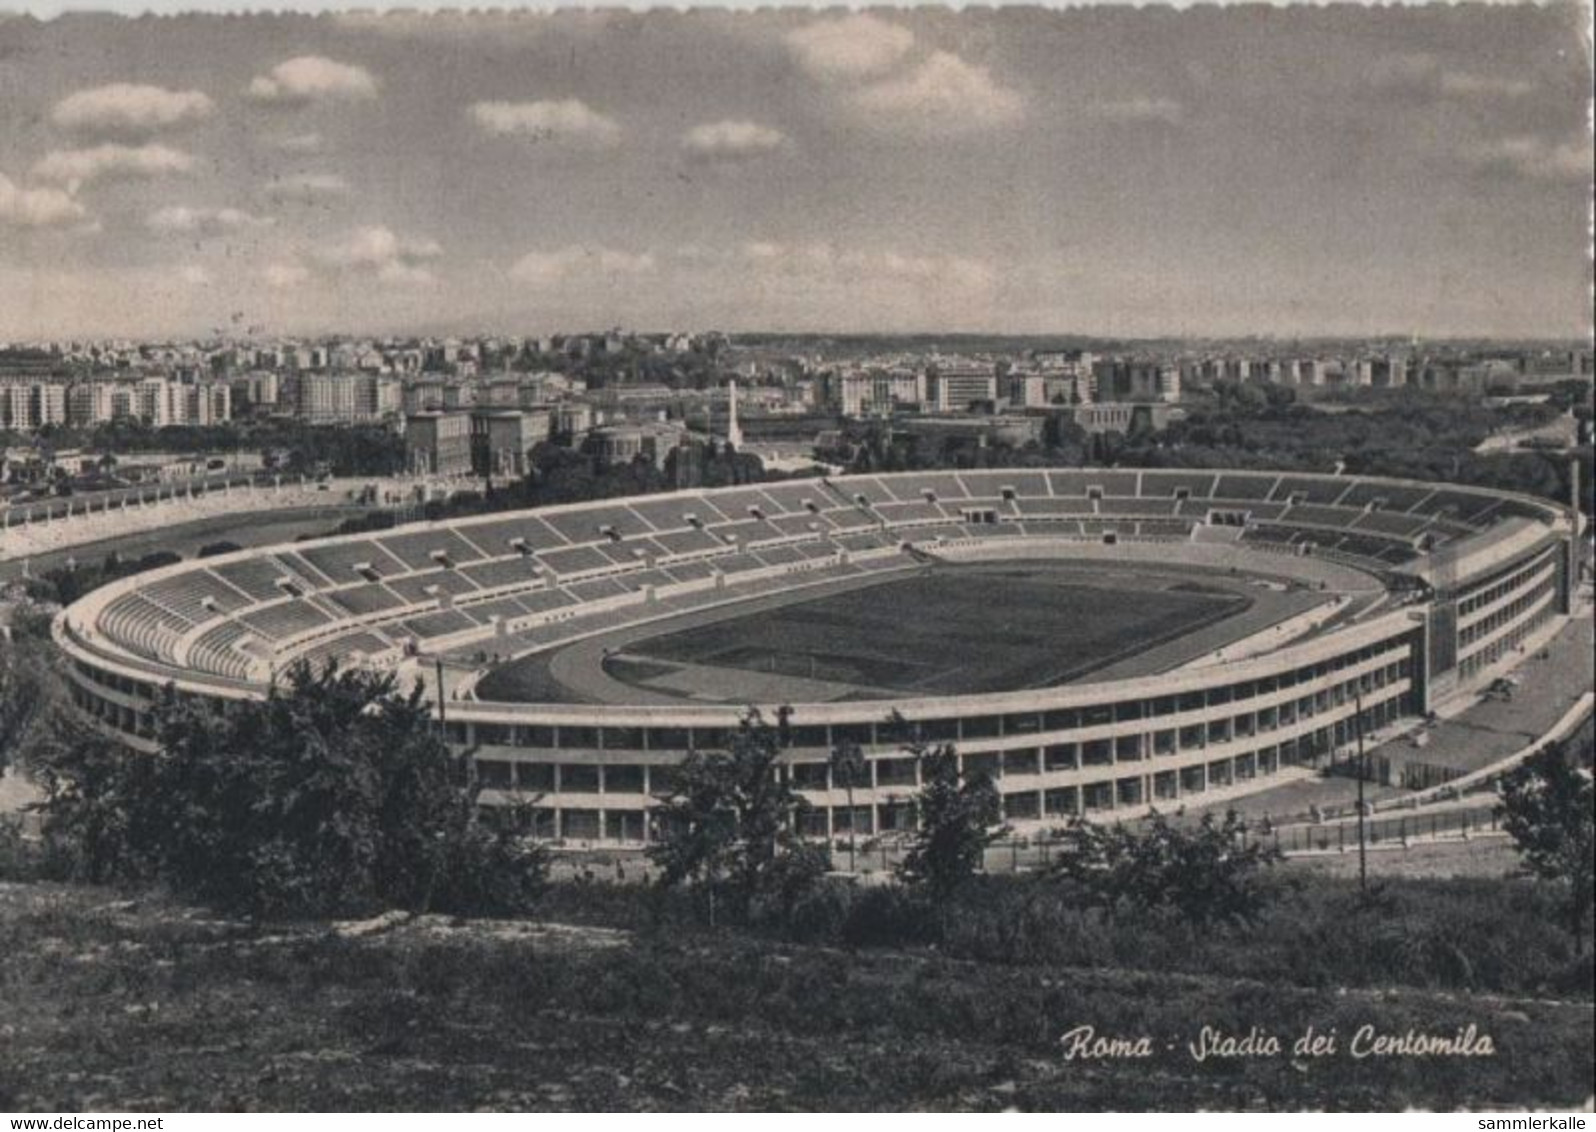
x=568, y=120
x=308, y=186
x=1462, y=85
x=37, y=208
x=311, y=142
x=851, y=48
x=77, y=167
x=379, y=251
x=942, y=94
x=542, y=269
x=1532, y=158
x=180, y=218
x=312, y=78
x=1163, y=111
x=282, y=276
x=194, y=275
x=1421, y=77
x=879, y=75
x=731, y=141
x=130, y=108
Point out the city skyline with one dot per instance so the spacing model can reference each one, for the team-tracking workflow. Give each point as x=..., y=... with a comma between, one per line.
x=1101, y=171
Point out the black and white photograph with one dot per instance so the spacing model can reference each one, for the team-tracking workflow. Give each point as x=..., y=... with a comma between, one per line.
x=904, y=560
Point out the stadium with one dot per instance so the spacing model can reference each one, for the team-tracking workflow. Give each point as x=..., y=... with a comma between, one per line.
x=1100, y=641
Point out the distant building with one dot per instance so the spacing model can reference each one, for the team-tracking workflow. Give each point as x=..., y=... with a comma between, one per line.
x=1135, y=380
x=623, y=443
x=501, y=438
x=346, y=398
x=572, y=418
x=29, y=405
x=954, y=388
x=880, y=392
x=1124, y=416
x=1025, y=390
x=90, y=403
x=438, y=443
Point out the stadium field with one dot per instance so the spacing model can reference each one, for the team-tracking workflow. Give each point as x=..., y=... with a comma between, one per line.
x=947, y=631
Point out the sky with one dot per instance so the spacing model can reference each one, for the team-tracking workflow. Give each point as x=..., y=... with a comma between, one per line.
x=1105, y=171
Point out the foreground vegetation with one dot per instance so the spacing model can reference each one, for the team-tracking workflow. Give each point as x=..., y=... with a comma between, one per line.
x=144, y=1005
x=746, y=977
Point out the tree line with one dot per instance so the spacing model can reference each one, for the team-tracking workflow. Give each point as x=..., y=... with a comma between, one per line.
x=337, y=794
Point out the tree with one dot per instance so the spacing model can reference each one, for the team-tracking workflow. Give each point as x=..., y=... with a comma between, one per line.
x=29, y=687
x=730, y=824
x=89, y=781
x=848, y=767
x=1547, y=809
x=957, y=816
x=334, y=795
x=1210, y=874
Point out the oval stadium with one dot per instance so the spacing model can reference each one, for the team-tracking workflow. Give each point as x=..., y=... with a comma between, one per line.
x=1101, y=641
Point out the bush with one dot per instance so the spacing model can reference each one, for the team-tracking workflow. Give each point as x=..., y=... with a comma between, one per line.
x=18, y=860
x=334, y=796
x=890, y=915
x=1209, y=874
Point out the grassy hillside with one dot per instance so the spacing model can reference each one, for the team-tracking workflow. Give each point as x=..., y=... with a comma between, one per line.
x=111, y=1003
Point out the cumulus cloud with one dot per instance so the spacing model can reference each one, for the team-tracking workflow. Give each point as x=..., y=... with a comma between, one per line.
x=1162, y=111
x=308, y=186
x=78, y=167
x=542, y=269
x=942, y=94
x=853, y=47
x=731, y=141
x=879, y=74
x=180, y=218
x=1532, y=158
x=379, y=251
x=130, y=108
x=312, y=78
x=36, y=208
x=567, y=120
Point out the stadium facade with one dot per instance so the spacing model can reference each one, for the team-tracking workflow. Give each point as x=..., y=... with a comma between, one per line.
x=1455, y=580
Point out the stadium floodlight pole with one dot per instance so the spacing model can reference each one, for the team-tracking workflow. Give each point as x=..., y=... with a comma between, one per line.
x=443, y=718
x=1363, y=769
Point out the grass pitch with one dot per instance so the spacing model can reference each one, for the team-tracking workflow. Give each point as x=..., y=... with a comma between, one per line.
x=948, y=632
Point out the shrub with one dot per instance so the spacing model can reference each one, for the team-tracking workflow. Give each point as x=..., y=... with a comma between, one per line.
x=1205, y=875
x=333, y=796
x=890, y=915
